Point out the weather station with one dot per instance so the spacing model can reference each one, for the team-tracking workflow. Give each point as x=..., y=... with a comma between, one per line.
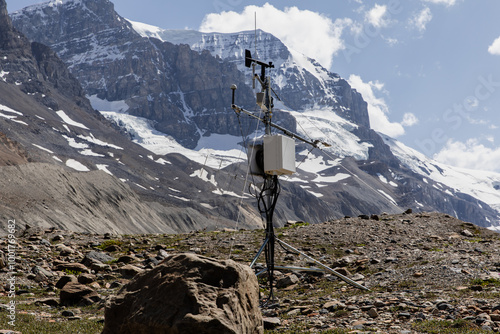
x=270, y=158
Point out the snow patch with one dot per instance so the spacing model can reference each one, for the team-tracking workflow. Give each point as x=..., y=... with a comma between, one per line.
x=43, y=148
x=77, y=165
x=203, y=174
x=104, y=168
x=116, y=106
x=66, y=119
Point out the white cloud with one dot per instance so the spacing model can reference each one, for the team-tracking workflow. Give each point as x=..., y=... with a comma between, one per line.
x=377, y=107
x=409, y=119
x=494, y=48
x=447, y=3
x=471, y=154
x=377, y=16
x=308, y=32
x=421, y=19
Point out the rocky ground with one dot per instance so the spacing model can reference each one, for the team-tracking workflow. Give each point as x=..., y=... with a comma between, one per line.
x=427, y=273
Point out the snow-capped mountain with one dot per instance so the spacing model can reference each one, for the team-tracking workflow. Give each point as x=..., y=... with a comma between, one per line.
x=169, y=90
x=300, y=82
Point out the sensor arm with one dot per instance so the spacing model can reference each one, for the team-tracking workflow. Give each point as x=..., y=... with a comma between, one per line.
x=315, y=143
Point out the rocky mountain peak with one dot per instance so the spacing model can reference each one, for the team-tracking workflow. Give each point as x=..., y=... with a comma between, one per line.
x=4, y=15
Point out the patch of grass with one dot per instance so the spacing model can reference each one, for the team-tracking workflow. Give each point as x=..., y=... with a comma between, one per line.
x=474, y=240
x=30, y=324
x=486, y=282
x=407, y=284
x=435, y=249
x=447, y=327
x=302, y=328
x=108, y=243
x=72, y=272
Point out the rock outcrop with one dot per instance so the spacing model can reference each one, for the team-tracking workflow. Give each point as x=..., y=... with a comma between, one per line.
x=187, y=293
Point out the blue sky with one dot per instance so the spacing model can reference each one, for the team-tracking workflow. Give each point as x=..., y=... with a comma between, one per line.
x=429, y=69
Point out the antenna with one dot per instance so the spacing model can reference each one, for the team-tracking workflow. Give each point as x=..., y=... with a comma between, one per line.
x=276, y=156
x=250, y=56
x=255, y=32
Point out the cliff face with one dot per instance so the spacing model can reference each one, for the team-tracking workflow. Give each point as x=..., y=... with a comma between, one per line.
x=299, y=87
x=184, y=92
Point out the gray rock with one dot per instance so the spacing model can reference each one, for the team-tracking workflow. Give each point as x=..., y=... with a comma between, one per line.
x=65, y=280
x=271, y=322
x=93, y=256
x=287, y=281
x=86, y=278
x=75, y=293
x=373, y=313
x=187, y=293
x=129, y=271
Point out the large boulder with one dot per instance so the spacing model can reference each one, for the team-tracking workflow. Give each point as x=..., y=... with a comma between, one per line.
x=187, y=293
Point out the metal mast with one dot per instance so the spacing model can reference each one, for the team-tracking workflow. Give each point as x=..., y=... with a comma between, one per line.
x=270, y=190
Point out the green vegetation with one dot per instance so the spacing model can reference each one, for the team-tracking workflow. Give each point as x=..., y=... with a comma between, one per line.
x=486, y=282
x=108, y=243
x=295, y=329
x=72, y=272
x=30, y=324
x=448, y=327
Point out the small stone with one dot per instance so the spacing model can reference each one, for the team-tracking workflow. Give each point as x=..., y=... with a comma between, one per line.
x=343, y=271
x=126, y=259
x=467, y=233
x=373, y=313
x=358, y=277
x=86, y=278
x=287, y=281
x=58, y=237
x=495, y=317
x=64, y=250
x=68, y=313
x=271, y=323
x=405, y=315
x=333, y=306
x=129, y=271
x=359, y=325
x=444, y=306
x=48, y=301
x=66, y=279
x=112, y=248
x=76, y=293
x=93, y=256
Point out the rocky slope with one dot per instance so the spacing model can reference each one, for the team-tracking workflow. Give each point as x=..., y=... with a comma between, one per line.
x=427, y=273
x=50, y=135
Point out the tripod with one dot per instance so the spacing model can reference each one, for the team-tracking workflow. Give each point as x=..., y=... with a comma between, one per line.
x=269, y=195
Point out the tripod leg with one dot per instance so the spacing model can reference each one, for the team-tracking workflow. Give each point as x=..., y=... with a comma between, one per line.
x=259, y=252
x=326, y=268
